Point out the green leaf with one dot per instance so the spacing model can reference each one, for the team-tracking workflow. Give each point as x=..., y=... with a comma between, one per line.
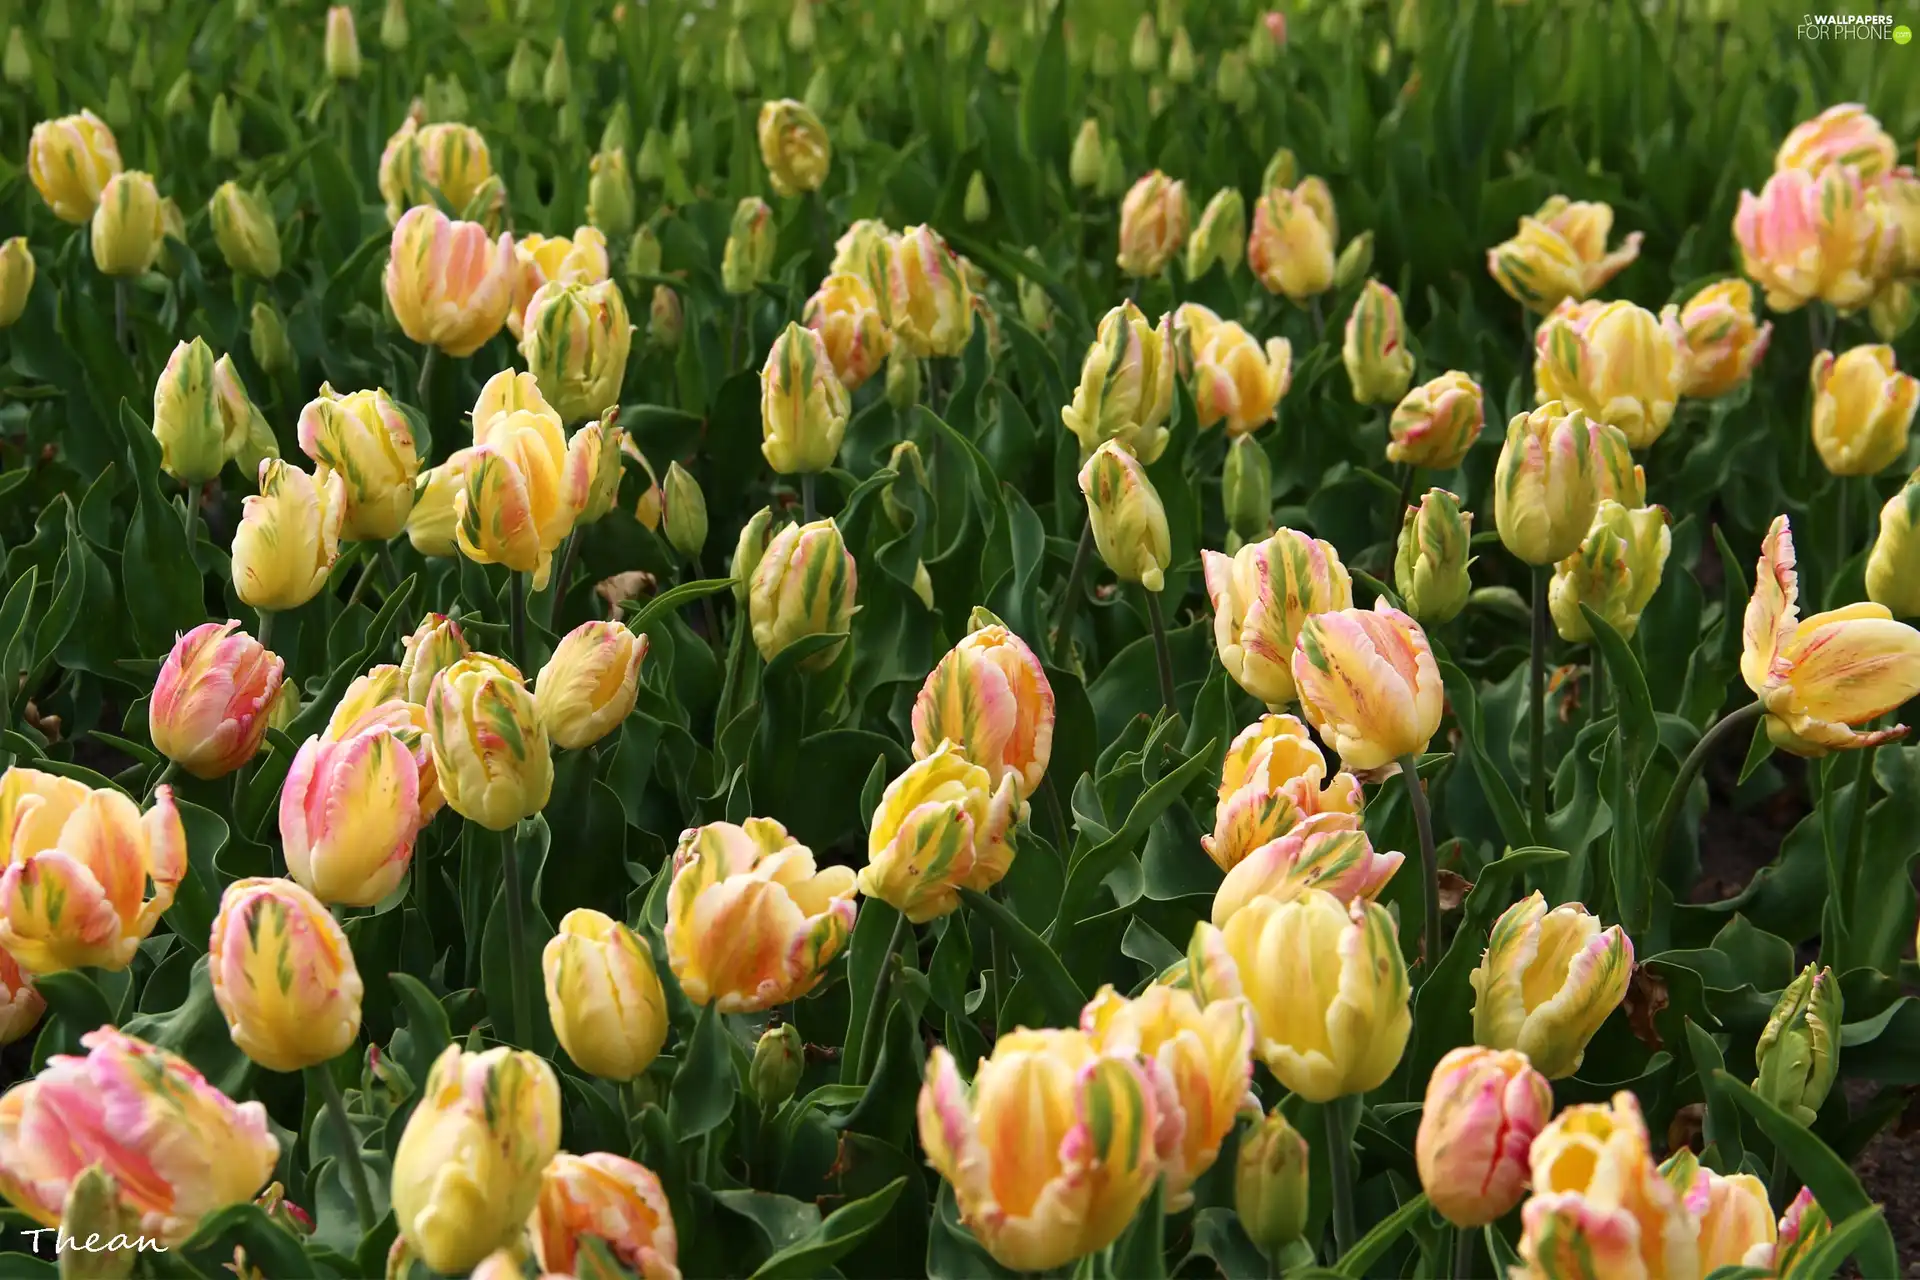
x=1847, y=1239
x=672, y=598
x=1628, y=684
x=835, y=1237
x=704, y=1087
x=1759, y=751
x=428, y=1032
x=1085, y=873
x=76, y=999
x=1140, y=1252
x=270, y=1247
x=1466, y=709
x=1058, y=993
x=1723, y=1114
x=1043, y=95
x=782, y=1219
x=1368, y=1248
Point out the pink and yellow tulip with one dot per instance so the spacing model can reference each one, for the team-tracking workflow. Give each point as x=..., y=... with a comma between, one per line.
x=1483, y=1109
x=1270, y=782
x=212, y=699
x=990, y=697
x=1546, y=982
x=283, y=975
x=608, y=1197
x=941, y=826
x=449, y=283
x=1368, y=683
x=1262, y=595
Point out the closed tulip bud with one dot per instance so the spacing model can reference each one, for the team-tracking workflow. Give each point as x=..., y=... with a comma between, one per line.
x=1437, y=422
x=1375, y=348
x=1547, y=981
x=1483, y=1109
x=1125, y=393
x=1845, y=134
x=1894, y=309
x=793, y=146
x=1261, y=596
x=210, y=701
x=1863, y=408
x=1435, y=549
x=1270, y=1183
x=604, y=997
x=1368, y=683
x=1153, y=224
x=248, y=439
x=803, y=585
x=540, y=260
x=489, y=742
x=1113, y=171
x=267, y=337
x=603, y=1197
x=1082, y=1131
x=683, y=511
x=1799, y=1051
x=1334, y=1019
x=1246, y=490
x=1143, y=55
x=976, y=207
x=1820, y=677
x=779, y=1057
x=1721, y=342
x=930, y=304
x=942, y=826
x=1559, y=253
x=989, y=696
x=1599, y=1206
x=340, y=51
x=1235, y=379
x=1129, y=523
x=1893, y=566
x=680, y=141
x=288, y=537
x=736, y=68
x=283, y=975
x=751, y=923
x=590, y=683
x=1231, y=82
x=1355, y=261
x=431, y=525
x=55, y=23
x=747, y=551
x=127, y=226
x=467, y=1170
x=223, y=131
x=94, y=1213
x=394, y=31
x=118, y=110
x=643, y=255
x=1182, y=64
x=186, y=416
x=803, y=406
x=1615, y=571
x=1084, y=161
x=448, y=282
x=1283, y=170
x=665, y=321
x=1546, y=483
x=178, y=99
x=557, y=80
x=364, y=438
x=747, y=258
x=1824, y=236
x=21, y=1004
x=436, y=644
x=610, y=199
x=17, y=66
x=1325, y=850
x=577, y=338
x=70, y=160
x=1220, y=236
x=175, y=1148
x=800, y=27
x=243, y=228
x=1802, y=1230
x=845, y=312
x=615, y=134
x=1290, y=248
x=17, y=270
x=75, y=862
x=523, y=72
x=903, y=379
x=650, y=163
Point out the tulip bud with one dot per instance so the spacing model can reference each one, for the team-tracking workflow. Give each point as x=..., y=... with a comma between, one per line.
x=1125, y=391
x=17, y=270
x=1153, y=224
x=118, y=110
x=1375, y=350
x=1721, y=341
x=92, y=1219
x=523, y=72
x=178, y=99
x=340, y=51
x=1220, y=236
x=800, y=26
x=140, y=76
x=643, y=255
x=18, y=63
x=70, y=160
x=558, y=77
x=803, y=585
x=289, y=536
x=1246, y=490
x=1231, y=84
x=1129, y=522
x=1182, y=65
x=223, y=132
x=803, y=406
x=683, y=511
x=1113, y=171
x=55, y=24
x=1270, y=1183
x=394, y=31
x=976, y=207
x=243, y=228
x=210, y=701
x=680, y=141
x=436, y=644
x=1549, y=978
x=589, y=685
x=576, y=341
x=942, y=826
x=1893, y=566
x=1283, y=168
x=466, y=1172
x=283, y=975
x=903, y=379
x=736, y=68
x=1615, y=572
x=664, y=319
x=752, y=544
x=1036, y=307
x=793, y=146
x=778, y=1060
x=1085, y=160
x=1436, y=423
x=490, y=740
x=747, y=258
x=186, y=416
x=1355, y=261
x=614, y=135
x=1483, y=1109
x=1863, y=408
x=1545, y=484
x=610, y=194
x=1143, y=55
x=650, y=164
x=604, y=997
x=1430, y=566
x=1799, y=1051
x=127, y=226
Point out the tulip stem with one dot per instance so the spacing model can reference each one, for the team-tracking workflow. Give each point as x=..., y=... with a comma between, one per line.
x=875, y=1023
x=1861, y=801
x=517, y=609
x=1690, y=769
x=516, y=937
x=120, y=313
x=807, y=510
x=166, y=775
x=322, y=1075
x=1341, y=1114
x=1537, y=710
x=1463, y=1253
x=1161, y=657
x=562, y=574
x=1070, y=594
x=1319, y=319
x=423, y=389
x=1429, y=859
x=264, y=632
x=1843, y=491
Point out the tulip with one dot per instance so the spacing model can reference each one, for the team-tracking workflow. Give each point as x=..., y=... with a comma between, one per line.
x=448, y=159
x=210, y=701
x=283, y=975
x=928, y=301
x=70, y=160
x=349, y=812
x=1261, y=595
x=1235, y=380
x=1806, y=237
x=1819, y=677
x=1325, y=850
x=449, y=285
x=1129, y=523
x=1893, y=567
x=590, y=684
x=223, y=133
x=747, y=258
x=1599, y=1208
x=608, y=1009
x=606, y=1197
x=941, y=826
x=1802, y=1229
x=1153, y=224
x=1375, y=349
x=1085, y=159
x=864, y=249
x=845, y=313
x=1615, y=571
x=1269, y=784
x=1270, y=1184
x=1052, y=1149
x=17, y=270
x=989, y=696
x=1799, y=1051
x=1483, y=1109
x=245, y=435
x=75, y=862
x=489, y=743
x=794, y=147
x=803, y=585
x=1721, y=341
x=1290, y=249
x=243, y=228
x=1863, y=408
x=1560, y=253
x=1220, y=235
x=1432, y=557
x=378, y=700
x=340, y=50
x=177, y=1148
x=187, y=415
x=1355, y=261
x=127, y=227
x=18, y=63
x=394, y=31
x=610, y=196
x=1545, y=487
x=1735, y=1219
x=1618, y=363
x=779, y=1060
x=1368, y=683
x=1327, y=985
x=683, y=512
x=1844, y=134
x=173, y=224
x=665, y=321
x=267, y=338
x=556, y=82
x=1899, y=192
x=751, y=923
x=575, y=341
x=1894, y=309
x=1125, y=391
x=364, y=438
x=1546, y=982
x=431, y=524
x=545, y=259
x=21, y=1003
x=467, y=1170
x=289, y=536
x=436, y=644
x=525, y=483
x=1246, y=491
x=803, y=405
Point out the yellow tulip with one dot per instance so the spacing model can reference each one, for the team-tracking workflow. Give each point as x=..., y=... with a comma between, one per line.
x=283, y=975
x=1326, y=851
x=1432, y=557
x=244, y=229
x=1893, y=567
x=1129, y=523
x=1238, y=381
x=127, y=226
x=1261, y=595
x=794, y=146
x=70, y=161
x=1269, y=784
x=590, y=684
x=1618, y=363
x=1153, y=224
x=1379, y=366
x=432, y=522
x=865, y=249
x=447, y=158
x=1220, y=235
x=1615, y=572
x=1368, y=683
x=941, y=826
x=606, y=1197
x=365, y=439
x=802, y=585
x=1545, y=488
x=929, y=303
x=990, y=697
x=1436, y=423
x=1290, y=248
x=1560, y=253
x=490, y=749
x=581, y=259
x=436, y=644
x=846, y=314
x=352, y=805
x=1722, y=342
x=1863, y=409
x=803, y=405
x=524, y=489
x=1125, y=392
x=576, y=340
x=604, y=998
x=449, y=284
x=1546, y=982
x=747, y=257
x=17, y=270
x=288, y=537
